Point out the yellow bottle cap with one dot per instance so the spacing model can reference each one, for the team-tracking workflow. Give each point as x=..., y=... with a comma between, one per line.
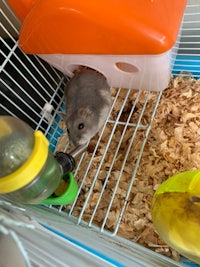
x=30, y=169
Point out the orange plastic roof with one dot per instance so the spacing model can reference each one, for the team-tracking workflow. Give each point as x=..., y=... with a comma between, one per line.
x=98, y=27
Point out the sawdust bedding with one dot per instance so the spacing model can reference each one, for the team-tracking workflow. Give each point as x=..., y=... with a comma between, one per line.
x=173, y=146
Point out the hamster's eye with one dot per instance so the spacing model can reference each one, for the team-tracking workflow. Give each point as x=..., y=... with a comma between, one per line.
x=81, y=126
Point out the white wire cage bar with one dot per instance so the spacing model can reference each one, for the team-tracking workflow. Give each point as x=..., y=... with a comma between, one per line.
x=27, y=83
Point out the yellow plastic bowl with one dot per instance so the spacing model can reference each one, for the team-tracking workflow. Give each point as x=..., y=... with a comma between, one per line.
x=176, y=213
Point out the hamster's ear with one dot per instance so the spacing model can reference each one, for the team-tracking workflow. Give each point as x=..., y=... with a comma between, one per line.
x=85, y=112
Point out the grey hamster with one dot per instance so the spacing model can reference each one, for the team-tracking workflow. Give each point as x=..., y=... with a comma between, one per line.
x=88, y=101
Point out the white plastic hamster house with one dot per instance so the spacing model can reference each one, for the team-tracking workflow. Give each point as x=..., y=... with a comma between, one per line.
x=82, y=234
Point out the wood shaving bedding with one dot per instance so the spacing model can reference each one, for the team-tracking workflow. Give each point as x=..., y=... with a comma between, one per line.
x=173, y=146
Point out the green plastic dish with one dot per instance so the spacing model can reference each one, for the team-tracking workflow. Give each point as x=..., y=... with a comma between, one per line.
x=67, y=197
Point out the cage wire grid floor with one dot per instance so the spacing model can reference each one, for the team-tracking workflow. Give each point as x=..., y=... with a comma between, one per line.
x=121, y=133
x=108, y=169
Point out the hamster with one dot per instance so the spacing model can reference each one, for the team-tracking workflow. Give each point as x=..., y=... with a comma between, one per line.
x=88, y=101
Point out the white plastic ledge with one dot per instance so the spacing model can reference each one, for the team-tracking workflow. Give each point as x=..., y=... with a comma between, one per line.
x=142, y=72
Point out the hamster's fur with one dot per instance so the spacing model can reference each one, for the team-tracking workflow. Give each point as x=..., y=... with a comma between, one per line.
x=88, y=101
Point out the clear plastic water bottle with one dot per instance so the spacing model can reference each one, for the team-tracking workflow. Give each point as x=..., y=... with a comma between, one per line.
x=29, y=172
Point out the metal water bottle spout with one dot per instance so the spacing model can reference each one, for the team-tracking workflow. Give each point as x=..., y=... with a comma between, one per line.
x=67, y=161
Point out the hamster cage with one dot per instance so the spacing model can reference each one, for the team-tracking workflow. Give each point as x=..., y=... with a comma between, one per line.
x=95, y=229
